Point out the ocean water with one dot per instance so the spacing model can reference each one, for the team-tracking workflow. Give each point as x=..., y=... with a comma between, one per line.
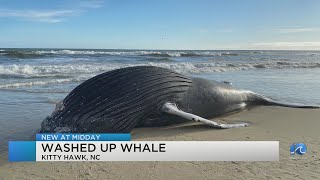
x=33, y=80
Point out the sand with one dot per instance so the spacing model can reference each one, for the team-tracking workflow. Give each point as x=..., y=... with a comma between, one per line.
x=268, y=123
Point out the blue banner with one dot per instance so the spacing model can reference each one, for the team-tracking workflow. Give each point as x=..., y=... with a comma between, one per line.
x=83, y=137
x=22, y=151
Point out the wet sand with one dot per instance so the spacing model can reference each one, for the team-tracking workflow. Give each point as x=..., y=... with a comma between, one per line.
x=286, y=125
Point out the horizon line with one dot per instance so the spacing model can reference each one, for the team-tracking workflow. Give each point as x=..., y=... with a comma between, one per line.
x=165, y=49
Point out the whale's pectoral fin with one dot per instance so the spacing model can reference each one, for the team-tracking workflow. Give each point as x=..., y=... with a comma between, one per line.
x=173, y=109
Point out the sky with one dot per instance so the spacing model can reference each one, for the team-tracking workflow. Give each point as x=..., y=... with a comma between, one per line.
x=161, y=24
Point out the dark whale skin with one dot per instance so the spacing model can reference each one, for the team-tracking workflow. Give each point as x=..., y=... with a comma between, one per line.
x=117, y=100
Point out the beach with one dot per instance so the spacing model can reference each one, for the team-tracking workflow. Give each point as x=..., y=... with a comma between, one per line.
x=286, y=125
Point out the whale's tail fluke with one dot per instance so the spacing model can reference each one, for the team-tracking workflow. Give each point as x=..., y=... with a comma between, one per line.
x=292, y=105
x=270, y=102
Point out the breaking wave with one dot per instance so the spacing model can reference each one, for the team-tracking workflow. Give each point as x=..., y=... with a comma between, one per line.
x=69, y=70
x=141, y=53
x=38, y=71
x=36, y=75
x=41, y=83
x=20, y=54
x=24, y=54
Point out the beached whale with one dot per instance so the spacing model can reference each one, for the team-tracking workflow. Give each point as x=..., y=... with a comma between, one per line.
x=122, y=99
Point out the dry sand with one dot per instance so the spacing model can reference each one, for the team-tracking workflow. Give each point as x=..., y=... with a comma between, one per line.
x=268, y=123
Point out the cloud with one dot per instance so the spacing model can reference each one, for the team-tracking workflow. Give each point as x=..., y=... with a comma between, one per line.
x=91, y=4
x=295, y=30
x=203, y=30
x=306, y=45
x=224, y=30
x=50, y=16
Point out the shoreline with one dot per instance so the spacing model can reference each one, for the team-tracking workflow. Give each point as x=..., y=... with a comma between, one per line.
x=286, y=125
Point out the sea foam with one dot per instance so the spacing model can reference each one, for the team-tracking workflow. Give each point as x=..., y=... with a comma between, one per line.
x=55, y=74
